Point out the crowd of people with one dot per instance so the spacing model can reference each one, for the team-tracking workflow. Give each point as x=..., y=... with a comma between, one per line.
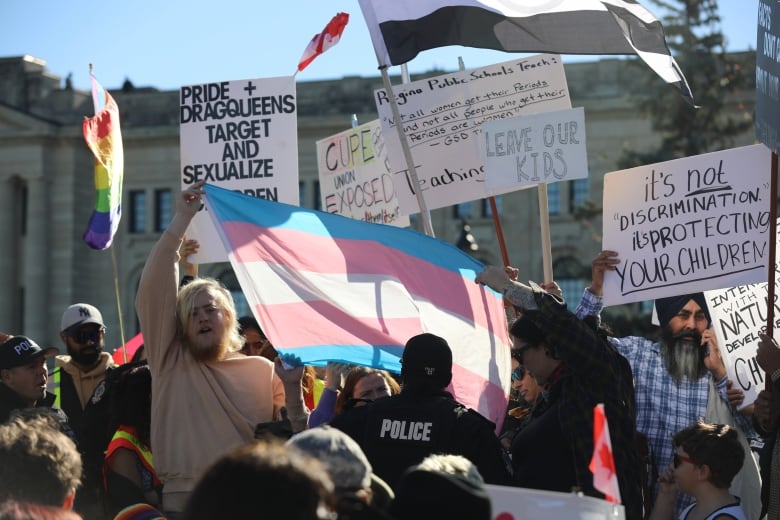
x=212, y=424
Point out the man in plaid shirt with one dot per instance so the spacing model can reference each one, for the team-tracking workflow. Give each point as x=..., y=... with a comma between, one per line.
x=671, y=376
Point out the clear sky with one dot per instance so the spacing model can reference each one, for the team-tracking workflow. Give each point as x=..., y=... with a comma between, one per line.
x=170, y=43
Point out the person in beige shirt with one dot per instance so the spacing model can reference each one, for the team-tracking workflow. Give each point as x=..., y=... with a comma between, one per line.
x=207, y=397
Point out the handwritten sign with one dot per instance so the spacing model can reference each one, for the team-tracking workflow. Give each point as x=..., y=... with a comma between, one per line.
x=767, y=111
x=240, y=135
x=442, y=118
x=528, y=150
x=689, y=225
x=738, y=315
x=355, y=176
x=513, y=503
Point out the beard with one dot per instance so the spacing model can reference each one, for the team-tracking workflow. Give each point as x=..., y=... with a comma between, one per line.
x=205, y=352
x=683, y=354
x=86, y=356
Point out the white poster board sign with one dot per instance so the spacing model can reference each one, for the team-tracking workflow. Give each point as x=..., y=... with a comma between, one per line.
x=241, y=135
x=738, y=315
x=512, y=503
x=688, y=225
x=355, y=176
x=525, y=151
x=442, y=118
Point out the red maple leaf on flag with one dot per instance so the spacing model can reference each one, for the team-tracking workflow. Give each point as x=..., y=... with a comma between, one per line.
x=602, y=464
x=323, y=41
x=607, y=462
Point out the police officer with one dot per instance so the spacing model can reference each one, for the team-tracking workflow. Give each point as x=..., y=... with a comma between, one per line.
x=23, y=375
x=400, y=431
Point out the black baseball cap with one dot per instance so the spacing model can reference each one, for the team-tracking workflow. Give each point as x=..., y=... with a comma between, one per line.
x=18, y=351
x=427, y=357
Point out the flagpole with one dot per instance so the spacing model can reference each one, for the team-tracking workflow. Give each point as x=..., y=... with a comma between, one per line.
x=426, y=216
x=544, y=221
x=118, y=304
x=770, y=288
x=96, y=108
x=492, y=202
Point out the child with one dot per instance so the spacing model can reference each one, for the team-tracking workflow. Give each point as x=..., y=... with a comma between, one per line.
x=706, y=459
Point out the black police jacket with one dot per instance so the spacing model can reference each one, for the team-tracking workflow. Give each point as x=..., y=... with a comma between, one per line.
x=400, y=431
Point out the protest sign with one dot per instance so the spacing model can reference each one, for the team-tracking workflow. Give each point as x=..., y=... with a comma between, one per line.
x=767, y=111
x=442, y=117
x=512, y=503
x=688, y=225
x=355, y=178
x=524, y=151
x=239, y=135
x=738, y=315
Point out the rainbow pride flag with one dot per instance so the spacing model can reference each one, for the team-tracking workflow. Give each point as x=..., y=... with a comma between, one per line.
x=329, y=288
x=104, y=139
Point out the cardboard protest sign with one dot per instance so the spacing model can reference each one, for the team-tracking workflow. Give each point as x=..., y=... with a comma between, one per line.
x=355, y=176
x=524, y=151
x=239, y=135
x=442, y=118
x=513, y=503
x=738, y=315
x=767, y=111
x=688, y=225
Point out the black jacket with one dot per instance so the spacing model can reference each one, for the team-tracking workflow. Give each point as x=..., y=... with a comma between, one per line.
x=10, y=401
x=400, y=431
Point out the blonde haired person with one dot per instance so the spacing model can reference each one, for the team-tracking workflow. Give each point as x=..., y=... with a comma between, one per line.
x=207, y=398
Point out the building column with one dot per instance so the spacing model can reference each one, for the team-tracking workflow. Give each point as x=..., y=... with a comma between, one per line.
x=36, y=260
x=10, y=314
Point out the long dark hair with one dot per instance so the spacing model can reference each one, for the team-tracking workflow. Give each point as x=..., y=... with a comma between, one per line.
x=131, y=400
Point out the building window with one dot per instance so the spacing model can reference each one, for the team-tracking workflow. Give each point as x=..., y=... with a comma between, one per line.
x=554, y=198
x=302, y=194
x=487, y=211
x=163, y=209
x=317, y=196
x=579, y=191
x=137, y=211
x=572, y=277
x=23, y=196
x=465, y=210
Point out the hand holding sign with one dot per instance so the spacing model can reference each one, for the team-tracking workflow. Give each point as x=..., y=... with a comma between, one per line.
x=604, y=261
x=768, y=354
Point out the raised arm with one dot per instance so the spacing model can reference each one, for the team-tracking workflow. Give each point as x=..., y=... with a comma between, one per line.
x=155, y=300
x=577, y=343
x=188, y=248
x=591, y=302
x=335, y=373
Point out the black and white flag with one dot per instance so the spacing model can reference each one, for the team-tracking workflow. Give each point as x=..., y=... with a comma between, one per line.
x=400, y=29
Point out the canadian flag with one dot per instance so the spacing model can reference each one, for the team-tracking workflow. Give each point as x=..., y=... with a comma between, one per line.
x=602, y=464
x=323, y=41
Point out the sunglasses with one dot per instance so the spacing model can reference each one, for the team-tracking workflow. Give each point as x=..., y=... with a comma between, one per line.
x=518, y=374
x=82, y=337
x=678, y=459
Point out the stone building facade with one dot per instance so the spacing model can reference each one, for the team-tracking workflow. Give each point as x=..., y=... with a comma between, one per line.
x=47, y=190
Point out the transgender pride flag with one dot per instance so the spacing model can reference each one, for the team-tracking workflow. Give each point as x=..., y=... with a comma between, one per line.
x=104, y=139
x=329, y=288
